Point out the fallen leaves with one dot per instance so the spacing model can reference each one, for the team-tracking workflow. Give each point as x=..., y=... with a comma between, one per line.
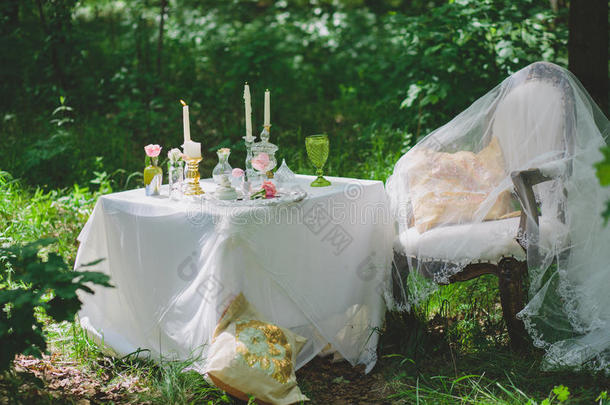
x=63, y=380
x=328, y=382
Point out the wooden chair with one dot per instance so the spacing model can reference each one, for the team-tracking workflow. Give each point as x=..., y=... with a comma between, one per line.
x=511, y=269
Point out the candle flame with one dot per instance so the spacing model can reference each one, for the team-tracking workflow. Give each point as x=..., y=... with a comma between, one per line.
x=183, y=103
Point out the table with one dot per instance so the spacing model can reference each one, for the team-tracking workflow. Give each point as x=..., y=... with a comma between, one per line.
x=319, y=267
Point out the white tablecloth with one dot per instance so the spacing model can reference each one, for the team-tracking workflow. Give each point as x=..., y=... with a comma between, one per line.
x=319, y=267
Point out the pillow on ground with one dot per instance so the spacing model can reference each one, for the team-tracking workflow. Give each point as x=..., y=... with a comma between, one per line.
x=250, y=356
x=449, y=188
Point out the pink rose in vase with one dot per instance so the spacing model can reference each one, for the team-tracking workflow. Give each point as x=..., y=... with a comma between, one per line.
x=237, y=172
x=152, y=150
x=261, y=162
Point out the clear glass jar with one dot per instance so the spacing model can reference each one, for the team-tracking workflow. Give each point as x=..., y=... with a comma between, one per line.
x=223, y=167
x=267, y=149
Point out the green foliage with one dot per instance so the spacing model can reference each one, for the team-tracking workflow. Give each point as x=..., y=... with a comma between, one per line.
x=603, y=173
x=560, y=393
x=172, y=385
x=375, y=76
x=27, y=214
x=31, y=284
x=603, y=167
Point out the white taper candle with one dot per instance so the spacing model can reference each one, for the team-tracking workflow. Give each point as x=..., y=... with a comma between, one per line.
x=267, y=121
x=192, y=149
x=248, y=108
x=185, y=121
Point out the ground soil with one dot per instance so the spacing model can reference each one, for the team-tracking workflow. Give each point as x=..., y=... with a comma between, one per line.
x=56, y=380
x=327, y=382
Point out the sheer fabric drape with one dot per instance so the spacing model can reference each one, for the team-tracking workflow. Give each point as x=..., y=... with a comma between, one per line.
x=454, y=204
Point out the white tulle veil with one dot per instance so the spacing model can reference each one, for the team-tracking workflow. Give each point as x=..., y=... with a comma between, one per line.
x=540, y=117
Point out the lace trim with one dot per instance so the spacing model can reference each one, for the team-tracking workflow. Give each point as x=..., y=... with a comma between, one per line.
x=566, y=353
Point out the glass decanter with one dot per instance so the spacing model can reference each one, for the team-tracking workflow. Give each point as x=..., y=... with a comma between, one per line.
x=223, y=167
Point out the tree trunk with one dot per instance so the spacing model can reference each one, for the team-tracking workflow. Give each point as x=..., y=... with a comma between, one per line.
x=10, y=10
x=160, y=41
x=138, y=42
x=59, y=73
x=588, y=47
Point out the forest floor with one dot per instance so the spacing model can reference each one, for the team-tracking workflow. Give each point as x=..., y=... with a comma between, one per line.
x=493, y=376
x=328, y=382
x=53, y=379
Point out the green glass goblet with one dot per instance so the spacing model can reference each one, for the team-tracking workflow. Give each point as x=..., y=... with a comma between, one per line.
x=317, y=150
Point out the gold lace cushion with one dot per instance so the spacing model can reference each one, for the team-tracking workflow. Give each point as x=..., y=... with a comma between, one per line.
x=449, y=188
x=250, y=356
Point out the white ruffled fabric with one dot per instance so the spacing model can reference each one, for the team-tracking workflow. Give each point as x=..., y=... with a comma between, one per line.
x=542, y=118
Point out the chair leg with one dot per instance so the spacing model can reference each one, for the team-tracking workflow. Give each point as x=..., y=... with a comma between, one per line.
x=510, y=283
x=400, y=272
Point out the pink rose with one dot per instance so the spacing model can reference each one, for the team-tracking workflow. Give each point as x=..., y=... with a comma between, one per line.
x=269, y=188
x=152, y=150
x=261, y=162
x=237, y=172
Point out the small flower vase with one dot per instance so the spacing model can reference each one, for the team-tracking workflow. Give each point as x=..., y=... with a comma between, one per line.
x=175, y=175
x=153, y=177
x=223, y=168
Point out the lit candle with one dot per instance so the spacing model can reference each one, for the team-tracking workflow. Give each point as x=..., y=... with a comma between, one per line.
x=248, y=106
x=192, y=149
x=185, y=121
x=267, y=109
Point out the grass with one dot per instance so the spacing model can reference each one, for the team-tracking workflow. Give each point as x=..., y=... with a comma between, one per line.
x=452, y=349
x=167, y=382
x=445, y=368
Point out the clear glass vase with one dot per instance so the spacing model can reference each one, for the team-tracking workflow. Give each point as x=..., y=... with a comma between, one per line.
x=223, y=167
x=153, y=177
x=175, y=176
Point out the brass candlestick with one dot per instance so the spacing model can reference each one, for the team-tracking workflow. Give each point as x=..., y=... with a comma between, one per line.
x=191, y=177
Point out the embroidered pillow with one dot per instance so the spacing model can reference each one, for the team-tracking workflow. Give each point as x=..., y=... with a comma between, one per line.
x=249, y=356
x=450, y=188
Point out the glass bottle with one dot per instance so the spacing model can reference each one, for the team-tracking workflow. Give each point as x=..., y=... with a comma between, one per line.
x=175, y=176
x=223, y=167
x=153, y=176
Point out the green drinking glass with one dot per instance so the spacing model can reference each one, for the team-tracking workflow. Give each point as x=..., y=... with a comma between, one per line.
x=317, y=150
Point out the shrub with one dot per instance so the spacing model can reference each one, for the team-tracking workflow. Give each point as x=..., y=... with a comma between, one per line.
x=32, y=285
